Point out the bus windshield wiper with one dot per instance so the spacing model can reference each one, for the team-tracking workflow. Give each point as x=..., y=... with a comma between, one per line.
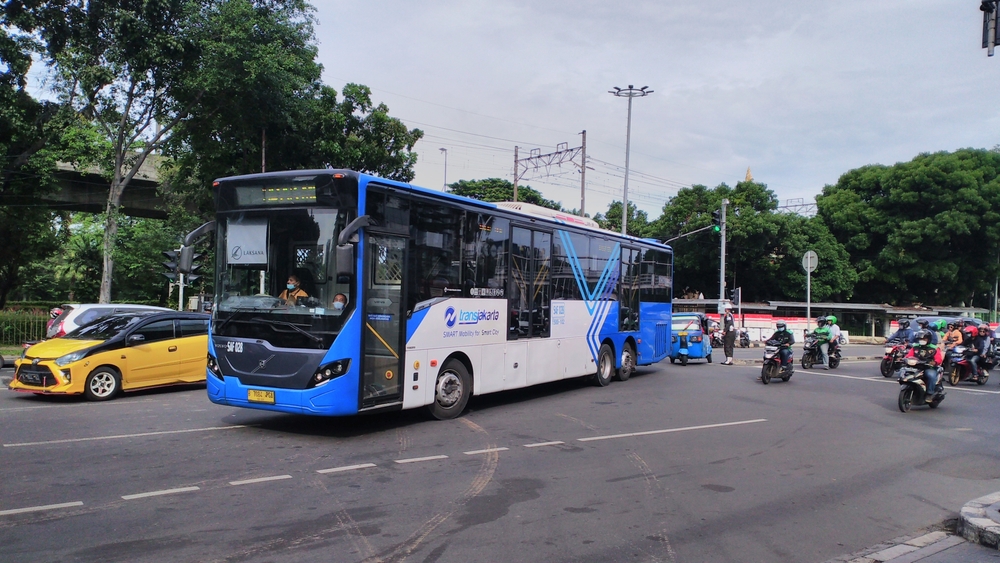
x=292, y=326
x=233, y=311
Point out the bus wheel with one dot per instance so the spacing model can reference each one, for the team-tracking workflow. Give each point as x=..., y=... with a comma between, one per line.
x=628, y=363
x=452, y=390
x=605, y=366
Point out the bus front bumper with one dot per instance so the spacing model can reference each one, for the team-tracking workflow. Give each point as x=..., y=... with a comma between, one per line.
x=339, y=397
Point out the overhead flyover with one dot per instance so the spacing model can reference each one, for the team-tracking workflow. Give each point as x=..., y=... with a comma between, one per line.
x=87, y=190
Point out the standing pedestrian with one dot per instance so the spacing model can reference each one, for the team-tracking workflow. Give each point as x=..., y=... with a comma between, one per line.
x=728, y=334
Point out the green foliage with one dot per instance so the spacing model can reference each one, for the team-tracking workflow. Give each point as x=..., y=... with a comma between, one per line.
x=498, y=189
x=925, y=230
x=637, y=223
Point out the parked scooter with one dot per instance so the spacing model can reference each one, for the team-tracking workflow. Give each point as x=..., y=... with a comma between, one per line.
x=811, y=354
x=717, y=340
x=893, y=359
x=772, y=366
x=913, y=390
x=744, y=338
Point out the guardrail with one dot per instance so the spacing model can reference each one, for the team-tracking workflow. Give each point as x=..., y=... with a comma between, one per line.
x=18, y=327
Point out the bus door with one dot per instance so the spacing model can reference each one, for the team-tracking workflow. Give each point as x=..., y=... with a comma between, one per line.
x=383, y=323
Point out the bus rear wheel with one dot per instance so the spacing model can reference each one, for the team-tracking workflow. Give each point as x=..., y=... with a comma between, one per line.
x=628, y=363
x=452, y=391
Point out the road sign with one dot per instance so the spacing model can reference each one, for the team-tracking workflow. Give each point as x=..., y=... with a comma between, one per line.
x=809, y=261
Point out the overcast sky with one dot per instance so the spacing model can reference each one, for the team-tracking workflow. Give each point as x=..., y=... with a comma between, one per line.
x=798, y=91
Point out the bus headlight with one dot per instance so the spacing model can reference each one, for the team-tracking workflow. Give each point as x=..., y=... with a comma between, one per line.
x=329, y=371
x=213, y=367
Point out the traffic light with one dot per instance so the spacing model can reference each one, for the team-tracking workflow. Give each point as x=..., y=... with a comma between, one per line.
x=170, y=265
x=991, y=31
x=193, y=276
x=716, y=220
x=735, y=295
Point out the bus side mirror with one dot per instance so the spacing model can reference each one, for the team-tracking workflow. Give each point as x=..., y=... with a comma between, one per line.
x=345, y=261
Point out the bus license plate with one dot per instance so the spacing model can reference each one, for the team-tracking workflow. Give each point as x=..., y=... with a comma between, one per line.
x=258, y=396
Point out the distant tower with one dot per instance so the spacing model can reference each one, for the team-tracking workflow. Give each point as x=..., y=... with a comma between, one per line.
x=749, y=177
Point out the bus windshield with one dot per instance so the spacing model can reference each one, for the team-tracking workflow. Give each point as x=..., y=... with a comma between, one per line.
x=260, y=253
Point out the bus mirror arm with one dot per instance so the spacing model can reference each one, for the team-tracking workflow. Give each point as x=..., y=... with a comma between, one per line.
x=345, y=246
x=347, y=235
x=186, y=259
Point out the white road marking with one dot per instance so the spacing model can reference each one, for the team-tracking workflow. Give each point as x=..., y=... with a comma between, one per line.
x=416, y=459
x=346, y=468
x=80, y=405
x=668, y=430
x=38, y=508
x=486, y=451
x=260, y=480
x=120, y=436
x=878, y=379
x=160, y=493
x=540, y=444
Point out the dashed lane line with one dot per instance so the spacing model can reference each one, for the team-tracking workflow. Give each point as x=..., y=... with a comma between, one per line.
x=40, y=508
x=669, y=430
x=260, y=480
x=346, y=468
x=161, y=493
x=486, y=451
x=122, y=436
x=541, y=444
x=419, y=459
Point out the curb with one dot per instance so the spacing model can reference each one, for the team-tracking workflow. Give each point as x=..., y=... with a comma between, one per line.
x=979, y=522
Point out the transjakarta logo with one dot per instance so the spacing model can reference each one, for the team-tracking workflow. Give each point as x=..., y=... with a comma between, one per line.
x=469, y=317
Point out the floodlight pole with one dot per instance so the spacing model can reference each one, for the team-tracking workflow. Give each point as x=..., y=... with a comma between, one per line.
x=445, y=151
x=722, y=259
x=629, y=93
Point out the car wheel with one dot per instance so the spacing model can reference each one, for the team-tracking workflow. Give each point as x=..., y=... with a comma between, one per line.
x=452, y=391
x=102, y=384
x=605, y=366
x=628, y=363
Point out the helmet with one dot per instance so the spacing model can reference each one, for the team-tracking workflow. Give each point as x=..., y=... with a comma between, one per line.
x=922, y=323
x=832, y=319
x=904, y=323
x=983, y=329
x=923, y=338
x=952, y=325
x=939, y=324
x=820, y=321
x=780, y=325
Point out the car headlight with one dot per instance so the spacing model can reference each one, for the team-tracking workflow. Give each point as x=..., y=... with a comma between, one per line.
x=70, y=358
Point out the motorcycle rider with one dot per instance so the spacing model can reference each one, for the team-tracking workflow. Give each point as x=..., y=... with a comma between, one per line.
x=834, y=333
x=923, y=324
x=927, y=353
x=822, y=334
x=978, y=350
x=904, y=333
x=783, y=339
x=952, y=337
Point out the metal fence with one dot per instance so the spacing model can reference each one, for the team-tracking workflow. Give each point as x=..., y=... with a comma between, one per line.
x=18, y=327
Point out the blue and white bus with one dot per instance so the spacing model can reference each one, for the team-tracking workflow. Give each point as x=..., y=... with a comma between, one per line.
x=447, y=296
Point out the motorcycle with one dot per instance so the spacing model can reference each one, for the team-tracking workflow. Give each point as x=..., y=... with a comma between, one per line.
x=717, y=340
x=772, y=366
x=960, y=368
x=913, y=390
x=893, y=359
x=744, y=338
x=811, y=354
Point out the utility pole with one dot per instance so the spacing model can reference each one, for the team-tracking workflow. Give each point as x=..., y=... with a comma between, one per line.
x=722, y=261
x=583, y=175
x=629, y=93
x=515, y=173
x=445, y=151
x=990, y=15
x=263, y=148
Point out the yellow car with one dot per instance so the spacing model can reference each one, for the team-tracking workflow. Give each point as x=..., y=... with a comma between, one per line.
x=122, y=352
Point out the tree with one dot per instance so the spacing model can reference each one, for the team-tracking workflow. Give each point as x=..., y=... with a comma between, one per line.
x=920, y=231
x=637, y=224
x=498, y=189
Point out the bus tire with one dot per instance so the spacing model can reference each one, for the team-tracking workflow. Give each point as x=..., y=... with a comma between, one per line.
x=605, y=366
x=628, y=363
x=451, y=391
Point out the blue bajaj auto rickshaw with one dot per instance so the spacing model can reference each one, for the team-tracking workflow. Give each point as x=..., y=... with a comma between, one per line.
x=688, y=338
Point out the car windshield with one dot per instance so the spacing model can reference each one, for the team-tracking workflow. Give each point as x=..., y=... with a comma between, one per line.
x=686, y=323
x=104, y=329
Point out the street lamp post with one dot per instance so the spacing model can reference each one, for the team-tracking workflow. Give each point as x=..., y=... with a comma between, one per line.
x=445, y=151
x=629, y=93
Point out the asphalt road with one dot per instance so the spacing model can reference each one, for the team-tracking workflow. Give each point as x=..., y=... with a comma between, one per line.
x=688, y=464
